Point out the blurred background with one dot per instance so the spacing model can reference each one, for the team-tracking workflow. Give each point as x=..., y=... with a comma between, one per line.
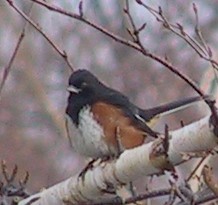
x=33, y=100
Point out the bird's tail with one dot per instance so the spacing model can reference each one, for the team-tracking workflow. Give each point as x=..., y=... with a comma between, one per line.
x=154, y=113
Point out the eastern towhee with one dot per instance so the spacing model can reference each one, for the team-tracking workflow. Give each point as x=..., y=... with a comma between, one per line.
x=102, y=122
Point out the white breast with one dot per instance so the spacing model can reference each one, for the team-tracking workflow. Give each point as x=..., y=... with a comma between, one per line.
x=88, y=138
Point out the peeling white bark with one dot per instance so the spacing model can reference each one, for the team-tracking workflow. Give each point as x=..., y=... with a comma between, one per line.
x=131, y=164
x=195, y=137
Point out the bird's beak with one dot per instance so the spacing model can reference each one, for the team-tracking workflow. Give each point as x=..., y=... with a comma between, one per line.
x=73, y=89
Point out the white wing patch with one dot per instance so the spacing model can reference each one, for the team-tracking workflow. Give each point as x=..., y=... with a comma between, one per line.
x=139, y=117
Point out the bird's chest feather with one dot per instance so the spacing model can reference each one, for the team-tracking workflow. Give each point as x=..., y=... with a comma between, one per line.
x=88, y=137
x=107, y=132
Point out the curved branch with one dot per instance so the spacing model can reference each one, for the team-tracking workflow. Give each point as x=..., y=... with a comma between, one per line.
x=63, y=54
x=134, y=45
x=100, y=183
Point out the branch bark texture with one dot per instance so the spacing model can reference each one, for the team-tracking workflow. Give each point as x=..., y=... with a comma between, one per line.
x=100, y=183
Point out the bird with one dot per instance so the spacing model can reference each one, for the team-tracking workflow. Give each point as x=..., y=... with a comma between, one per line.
x=102, y=122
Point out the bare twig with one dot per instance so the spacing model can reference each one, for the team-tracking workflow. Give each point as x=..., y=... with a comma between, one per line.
x=123, y=41
x=119, y=140
x=207, y=49
x=148, y=194
x=135, y=31
x=197, y=27
x=189, y=198
x=201, y=48
x=86, y=21
x=24, y=181
x=81, y=8
x=8, y=67
x=137, y=45
x=8, y=185
x=40, y=30
x=187, y=192
x=172, y=196
x=196, y=168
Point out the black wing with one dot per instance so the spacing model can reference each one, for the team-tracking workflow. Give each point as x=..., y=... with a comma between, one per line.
x=129, y=109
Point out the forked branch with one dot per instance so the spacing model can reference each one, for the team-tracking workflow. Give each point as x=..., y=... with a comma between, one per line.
x=135, y=44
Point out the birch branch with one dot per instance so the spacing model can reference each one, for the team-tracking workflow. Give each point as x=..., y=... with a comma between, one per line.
x=100, y=183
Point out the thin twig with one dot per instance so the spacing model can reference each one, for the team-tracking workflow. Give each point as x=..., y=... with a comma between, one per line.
x=182, y=34
x=8, y=185
x=198, y=30
x=81, y=8
x=135, y=45
x=86, y=21
x=200, y=198
x=8, y=67
x=39, y=29
x=196, y=168
x=172, y=196
x=147, y=195
x=123, y=41
x=202, y=49
x=136, y=31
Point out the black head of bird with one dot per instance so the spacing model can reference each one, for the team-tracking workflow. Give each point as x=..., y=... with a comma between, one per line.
x=83, y=82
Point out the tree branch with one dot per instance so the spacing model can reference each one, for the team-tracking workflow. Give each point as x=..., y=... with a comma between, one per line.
x=123, y=41
x=201, y=48
x=8, y=67
x=63, y=54
x=132, y=164
x=137, y=45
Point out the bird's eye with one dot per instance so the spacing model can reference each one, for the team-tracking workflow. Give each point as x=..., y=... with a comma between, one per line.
x=84, y=84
